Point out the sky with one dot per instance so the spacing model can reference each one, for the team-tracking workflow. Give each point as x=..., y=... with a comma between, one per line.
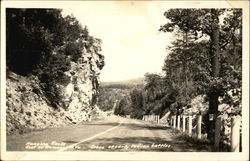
x=132, y=44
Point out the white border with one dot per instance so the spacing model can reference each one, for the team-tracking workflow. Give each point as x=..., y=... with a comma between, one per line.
x=131, y=155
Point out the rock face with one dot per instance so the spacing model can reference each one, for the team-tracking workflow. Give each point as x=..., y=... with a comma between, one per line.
x=26, y=105
x=79, y=95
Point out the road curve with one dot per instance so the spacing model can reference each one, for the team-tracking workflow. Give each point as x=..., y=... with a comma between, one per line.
x=110, y=134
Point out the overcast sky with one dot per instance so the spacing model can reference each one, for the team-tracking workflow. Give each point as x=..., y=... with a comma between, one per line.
x=132, y=44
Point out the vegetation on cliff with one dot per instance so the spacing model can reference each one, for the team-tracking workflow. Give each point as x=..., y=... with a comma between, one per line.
x=58, y=55
x=42, y=42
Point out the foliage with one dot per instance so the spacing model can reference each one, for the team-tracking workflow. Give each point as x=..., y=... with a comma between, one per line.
x=30, y=37
x=108, y=95
x=123, y=107
x=136, y=98
x=42, y=42
x=205, y=59
x=189, y=53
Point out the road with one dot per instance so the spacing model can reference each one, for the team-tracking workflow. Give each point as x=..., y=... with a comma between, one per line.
x=110, y=134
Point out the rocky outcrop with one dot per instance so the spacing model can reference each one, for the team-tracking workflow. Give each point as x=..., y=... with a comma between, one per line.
x=27, y=107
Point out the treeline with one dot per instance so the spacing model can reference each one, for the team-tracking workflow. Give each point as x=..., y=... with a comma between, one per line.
x=110, y=94
x=205, y=58
x=43, y=43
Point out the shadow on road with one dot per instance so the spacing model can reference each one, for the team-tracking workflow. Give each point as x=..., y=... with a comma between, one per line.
x=137, y=143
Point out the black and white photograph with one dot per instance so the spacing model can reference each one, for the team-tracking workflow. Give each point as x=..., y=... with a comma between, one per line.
x=125, y=80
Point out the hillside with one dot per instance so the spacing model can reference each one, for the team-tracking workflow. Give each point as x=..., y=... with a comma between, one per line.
x=53, y=72
x=111, y=93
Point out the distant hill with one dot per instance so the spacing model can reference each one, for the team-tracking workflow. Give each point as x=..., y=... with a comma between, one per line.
x=130, y=82
x=111, y=92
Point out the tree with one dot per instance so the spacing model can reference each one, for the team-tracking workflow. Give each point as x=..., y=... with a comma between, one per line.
x=30, y=37
x=43, y=43
x=202, y=26
x=136, y=98
x=214, y=58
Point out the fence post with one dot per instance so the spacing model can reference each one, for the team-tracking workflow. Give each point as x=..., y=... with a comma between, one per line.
x=199, y=126
x=178, y=122
x=183, y=123
x=190, y=125
x=174, y=121
x=235, y=134
x=217, y=134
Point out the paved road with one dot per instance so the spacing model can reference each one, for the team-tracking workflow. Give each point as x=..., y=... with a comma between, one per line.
x=110, y=134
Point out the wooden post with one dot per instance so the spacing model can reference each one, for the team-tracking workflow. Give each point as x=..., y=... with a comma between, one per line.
x=174, y=121
x=217, y=134
x=199, y=126
x=183, y=123
x=235, y=134
x=190, y=125
x=178, y=122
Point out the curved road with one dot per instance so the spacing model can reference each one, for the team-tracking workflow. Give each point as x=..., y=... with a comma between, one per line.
x=110, y=134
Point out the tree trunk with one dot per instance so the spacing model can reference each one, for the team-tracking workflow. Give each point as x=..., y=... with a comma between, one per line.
x=214, y=55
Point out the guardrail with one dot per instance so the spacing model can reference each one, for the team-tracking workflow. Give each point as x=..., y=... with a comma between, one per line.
x=185, y=125
x=235, y=129
x=151, y=118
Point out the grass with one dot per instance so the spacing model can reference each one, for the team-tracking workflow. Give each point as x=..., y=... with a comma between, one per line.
x=200, y=144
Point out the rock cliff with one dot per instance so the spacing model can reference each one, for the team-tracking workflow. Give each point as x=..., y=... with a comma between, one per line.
x=27, y=107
